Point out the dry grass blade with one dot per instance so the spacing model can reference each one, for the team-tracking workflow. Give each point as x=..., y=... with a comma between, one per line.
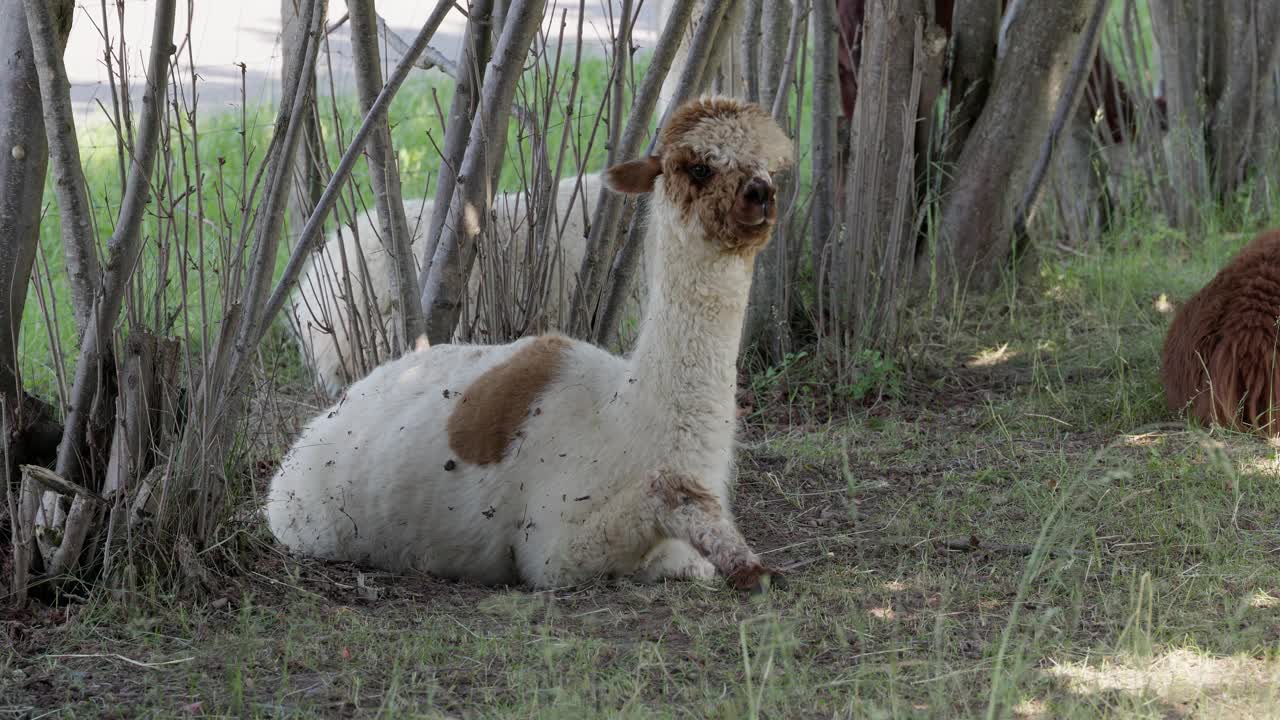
x=121, y=658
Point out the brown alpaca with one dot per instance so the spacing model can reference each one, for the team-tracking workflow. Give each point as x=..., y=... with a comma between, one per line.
x=1220, y=356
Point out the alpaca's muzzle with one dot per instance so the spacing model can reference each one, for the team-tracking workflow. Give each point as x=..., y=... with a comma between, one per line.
x=755, y=202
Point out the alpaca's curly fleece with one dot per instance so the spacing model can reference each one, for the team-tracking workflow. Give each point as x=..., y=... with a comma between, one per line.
x=1220, y=355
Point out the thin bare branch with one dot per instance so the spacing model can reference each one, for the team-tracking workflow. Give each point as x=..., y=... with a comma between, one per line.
x=384, y=175
x=477, y=45
x=450, y=267
x=312, y=233
x=123, y=249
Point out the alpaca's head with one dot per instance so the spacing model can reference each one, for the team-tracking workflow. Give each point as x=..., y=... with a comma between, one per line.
x=716, y=159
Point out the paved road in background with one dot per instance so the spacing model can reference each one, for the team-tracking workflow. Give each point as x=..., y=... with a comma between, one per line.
x=226, y=33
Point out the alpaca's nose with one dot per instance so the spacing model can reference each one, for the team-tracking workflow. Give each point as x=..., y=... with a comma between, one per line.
x=755, y=202
x=758, y=191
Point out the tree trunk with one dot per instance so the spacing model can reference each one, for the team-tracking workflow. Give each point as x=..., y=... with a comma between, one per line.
x=723, y=75
x=384, y=176
x=749, y=56
x=901, y=53
x=826, y=111
x=997, y=161
x=219, y=401
x=313, y=232
x=1075, y=188
x=28, y=430
x=695, y=74
x=49, y=23
x=1249, y=55
x=776, y=23
x=602, y=238
x=450, y=267
x=23, y=162
x=81, y=453
x=307, y=182
x=124, y=247
x=974, y=30
x=768, y=319
x=269, y=218
x=1185, y=33
x=477, y=46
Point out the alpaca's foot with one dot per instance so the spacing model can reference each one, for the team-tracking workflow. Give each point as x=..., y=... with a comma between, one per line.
x=675, y=560
x=756, y=579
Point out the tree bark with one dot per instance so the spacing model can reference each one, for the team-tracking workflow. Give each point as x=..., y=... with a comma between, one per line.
x=49, y=24
x=1249, y=56
x=384, y=176
x=29, y=433
x=826, y=111
x=974, y=29
x=1185, y=32
x=776, y=23
x=477, y=46
x=469, y=210
x=307, y=183
x=900, y=51
x=749, y=55
x=978, y=212
x=24, y=158
x=1065, y=117
x=722, y=73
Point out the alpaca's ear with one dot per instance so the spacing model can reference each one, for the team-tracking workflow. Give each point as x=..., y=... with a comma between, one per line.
x=635, y=177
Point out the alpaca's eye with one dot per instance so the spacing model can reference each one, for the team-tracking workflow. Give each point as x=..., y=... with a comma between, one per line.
x=700, y=172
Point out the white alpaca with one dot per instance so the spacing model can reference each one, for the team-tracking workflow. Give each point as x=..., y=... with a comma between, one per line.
x=353, y=271
x=549, y=461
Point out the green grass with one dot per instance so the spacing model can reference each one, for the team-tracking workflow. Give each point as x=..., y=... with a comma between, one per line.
x=1128, y=571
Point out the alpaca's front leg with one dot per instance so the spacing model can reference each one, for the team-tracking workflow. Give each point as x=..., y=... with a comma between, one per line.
x=693, y=514
x=719, y=541
x=675, y=560
x=669, y=507
x=615, y=538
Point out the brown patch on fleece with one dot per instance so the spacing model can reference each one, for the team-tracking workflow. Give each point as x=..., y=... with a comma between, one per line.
x=495, y=405
x=676, y=490
x=1220, y=356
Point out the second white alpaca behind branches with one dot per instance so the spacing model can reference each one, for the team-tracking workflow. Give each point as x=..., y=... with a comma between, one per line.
x=342, y=311
x=549, y=461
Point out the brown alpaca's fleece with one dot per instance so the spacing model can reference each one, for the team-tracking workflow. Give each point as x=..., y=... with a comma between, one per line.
x=1229, y=330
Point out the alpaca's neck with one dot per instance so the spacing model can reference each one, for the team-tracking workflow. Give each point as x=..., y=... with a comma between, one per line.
x=685, y=361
